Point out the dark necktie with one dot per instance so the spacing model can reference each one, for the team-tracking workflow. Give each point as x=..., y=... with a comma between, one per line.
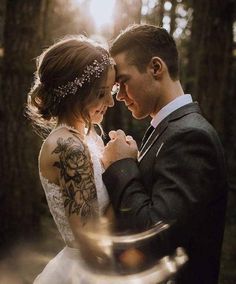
x=147, y=134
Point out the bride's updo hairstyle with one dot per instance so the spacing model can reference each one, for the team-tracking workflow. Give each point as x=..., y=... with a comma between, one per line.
x=66, y=82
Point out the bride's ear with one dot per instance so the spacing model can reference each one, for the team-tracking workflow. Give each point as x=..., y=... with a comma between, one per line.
x=157, y=67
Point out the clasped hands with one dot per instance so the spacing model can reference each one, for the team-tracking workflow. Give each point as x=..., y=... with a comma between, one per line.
x=119, y=147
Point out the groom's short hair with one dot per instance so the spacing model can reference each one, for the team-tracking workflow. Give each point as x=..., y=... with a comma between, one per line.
x=141, y=42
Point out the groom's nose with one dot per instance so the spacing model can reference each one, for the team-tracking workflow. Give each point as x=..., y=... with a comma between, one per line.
x=122, y=93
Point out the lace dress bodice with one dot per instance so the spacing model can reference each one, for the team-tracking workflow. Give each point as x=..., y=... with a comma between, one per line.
x=54, y=194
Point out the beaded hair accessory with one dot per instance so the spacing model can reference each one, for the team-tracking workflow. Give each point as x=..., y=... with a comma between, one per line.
x=93, y=70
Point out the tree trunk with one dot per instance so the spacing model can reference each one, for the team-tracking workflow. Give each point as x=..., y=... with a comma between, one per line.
x=173, y=16
x=2, y=18
x=210, y=68
x=160, y=12
x=19, y=186
x=211, y=54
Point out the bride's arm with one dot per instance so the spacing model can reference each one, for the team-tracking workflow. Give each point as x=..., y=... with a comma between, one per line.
x=76, y=179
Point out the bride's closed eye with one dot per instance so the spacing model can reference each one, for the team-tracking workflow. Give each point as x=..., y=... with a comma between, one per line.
x=102, y=93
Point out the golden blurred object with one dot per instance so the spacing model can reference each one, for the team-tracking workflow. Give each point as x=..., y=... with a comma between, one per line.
x=126, y=258
x=132, y=257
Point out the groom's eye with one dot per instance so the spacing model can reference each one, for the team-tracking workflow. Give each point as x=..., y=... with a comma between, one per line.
x=124, y=79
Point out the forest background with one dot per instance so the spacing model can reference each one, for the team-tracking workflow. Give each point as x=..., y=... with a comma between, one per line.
x=205, y=32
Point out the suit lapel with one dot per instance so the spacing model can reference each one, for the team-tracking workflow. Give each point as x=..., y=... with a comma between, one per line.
x=177, y=114
x=152, y=139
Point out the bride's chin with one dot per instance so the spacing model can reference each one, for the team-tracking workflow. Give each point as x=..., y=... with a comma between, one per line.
x=98, y=118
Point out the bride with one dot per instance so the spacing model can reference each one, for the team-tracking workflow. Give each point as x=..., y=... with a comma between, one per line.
x=73, y=87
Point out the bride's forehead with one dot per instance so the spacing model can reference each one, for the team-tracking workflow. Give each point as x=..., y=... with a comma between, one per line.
x=108, y=78
x=111, y=76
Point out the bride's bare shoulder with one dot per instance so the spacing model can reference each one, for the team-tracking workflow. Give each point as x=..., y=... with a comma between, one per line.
x=58, y=141
x=58, y=136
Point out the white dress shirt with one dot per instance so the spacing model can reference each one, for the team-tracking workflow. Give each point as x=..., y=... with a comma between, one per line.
x=170, y=107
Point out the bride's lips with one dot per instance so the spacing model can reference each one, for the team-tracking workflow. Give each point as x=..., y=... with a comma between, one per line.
x=104, y=110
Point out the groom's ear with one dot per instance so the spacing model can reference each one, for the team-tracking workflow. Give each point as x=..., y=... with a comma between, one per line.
x=156, y=66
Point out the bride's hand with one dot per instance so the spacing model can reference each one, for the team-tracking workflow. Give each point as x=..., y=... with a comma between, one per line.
x=119, y=147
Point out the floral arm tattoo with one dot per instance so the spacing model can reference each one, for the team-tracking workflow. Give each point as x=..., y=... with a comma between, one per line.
x=76, y=178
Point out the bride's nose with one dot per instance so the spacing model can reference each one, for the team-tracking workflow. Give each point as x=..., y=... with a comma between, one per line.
x=110, y=101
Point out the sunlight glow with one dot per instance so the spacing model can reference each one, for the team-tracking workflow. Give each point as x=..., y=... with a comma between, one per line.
x=167, y=27
x=1, y=51
x=177, y=32
x=181, y=23
x=151, y=4
x=234, y=31
x=144, y=10
x=166, y=20
x=181, y=11
x=167, y=6
x=79, y=1
x=102, y=11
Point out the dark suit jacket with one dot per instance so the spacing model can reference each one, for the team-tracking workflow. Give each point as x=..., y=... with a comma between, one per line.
x=180, y=178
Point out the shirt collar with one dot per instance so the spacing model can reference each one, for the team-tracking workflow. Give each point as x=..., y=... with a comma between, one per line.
x=170, y=107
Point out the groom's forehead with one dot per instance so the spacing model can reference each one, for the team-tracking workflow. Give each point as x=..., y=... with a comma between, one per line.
x=120, y=60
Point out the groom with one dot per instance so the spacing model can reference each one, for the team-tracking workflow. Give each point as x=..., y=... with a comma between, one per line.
x=180, y=171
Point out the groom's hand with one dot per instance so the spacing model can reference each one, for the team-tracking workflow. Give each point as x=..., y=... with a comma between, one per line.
x=119, y=147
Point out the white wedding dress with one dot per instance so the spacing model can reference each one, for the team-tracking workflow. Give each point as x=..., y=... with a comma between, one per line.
x=67, y=267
